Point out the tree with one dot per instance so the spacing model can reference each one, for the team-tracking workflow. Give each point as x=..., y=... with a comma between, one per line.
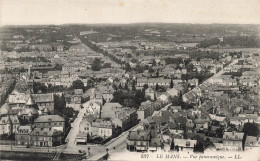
x=78, y=84
x=250, y=129
x=156, y=87
x=145, y=87
x=139, y=97
x=172, y=145
x=126, y=86
x=157, y=73
x=127, y=67
x=57, y=67
x=151, y=70
x=198, y=147
x=118, y=97
x=175, y=101
x=96, y=66
x=39, y=88
x=133, y=86
x=171, y=84
x=120, y=86
x=59, y=102
x=107, y=65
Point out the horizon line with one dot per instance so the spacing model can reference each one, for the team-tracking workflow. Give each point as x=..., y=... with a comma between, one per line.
x=131, y=23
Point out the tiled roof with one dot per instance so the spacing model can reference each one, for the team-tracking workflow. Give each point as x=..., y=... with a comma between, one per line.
x=112, y=104
x=22, y=98
x=234, y=135
x=88, y=118
x=102, y=123
x=45, y=132
x=25, y=129
x=9, y=119
x=185, y=143
x=139, y=135
x=49, y=118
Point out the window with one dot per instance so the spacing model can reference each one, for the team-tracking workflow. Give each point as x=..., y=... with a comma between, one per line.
x=60, y=123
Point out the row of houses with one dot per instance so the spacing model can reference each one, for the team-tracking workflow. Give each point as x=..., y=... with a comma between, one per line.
x=47, y=131
x=112, y=120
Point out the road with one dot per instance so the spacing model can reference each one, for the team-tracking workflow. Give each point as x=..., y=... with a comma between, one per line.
x=118, y=143
x=71, y=138
x=221, y=71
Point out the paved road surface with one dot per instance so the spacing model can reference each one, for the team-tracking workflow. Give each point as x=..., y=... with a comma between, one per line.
x=71, y=138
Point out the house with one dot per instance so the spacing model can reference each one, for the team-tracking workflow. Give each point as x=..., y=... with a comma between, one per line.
x=233, y=140
x=46, y=137
x=173, y=92
x=252, y=142
x=55, y=122
x=138, y=140
x=109, y=110
x=164, y=98
x=9, y=124
x=125, y=119
x=221, y=119
x=22, y=137
x=107, y=93
x=93, y=108
x=156, y=144
x=96, y=96
x=144, y=111
x=42, y=100
x=150, y=92
x=152, y=82
x=185, y=144
x=78, y=48
x=85, y=125
x=206, y=62
x=105, y=128
x=60, y=48
x=193, y=82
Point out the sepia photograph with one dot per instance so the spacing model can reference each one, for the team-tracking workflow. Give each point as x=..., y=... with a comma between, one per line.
x=130, y=80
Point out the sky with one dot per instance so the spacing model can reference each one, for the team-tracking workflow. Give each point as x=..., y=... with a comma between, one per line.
x=33, y=12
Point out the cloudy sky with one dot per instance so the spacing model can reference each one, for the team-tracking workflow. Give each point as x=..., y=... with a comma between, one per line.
x=27, y=12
